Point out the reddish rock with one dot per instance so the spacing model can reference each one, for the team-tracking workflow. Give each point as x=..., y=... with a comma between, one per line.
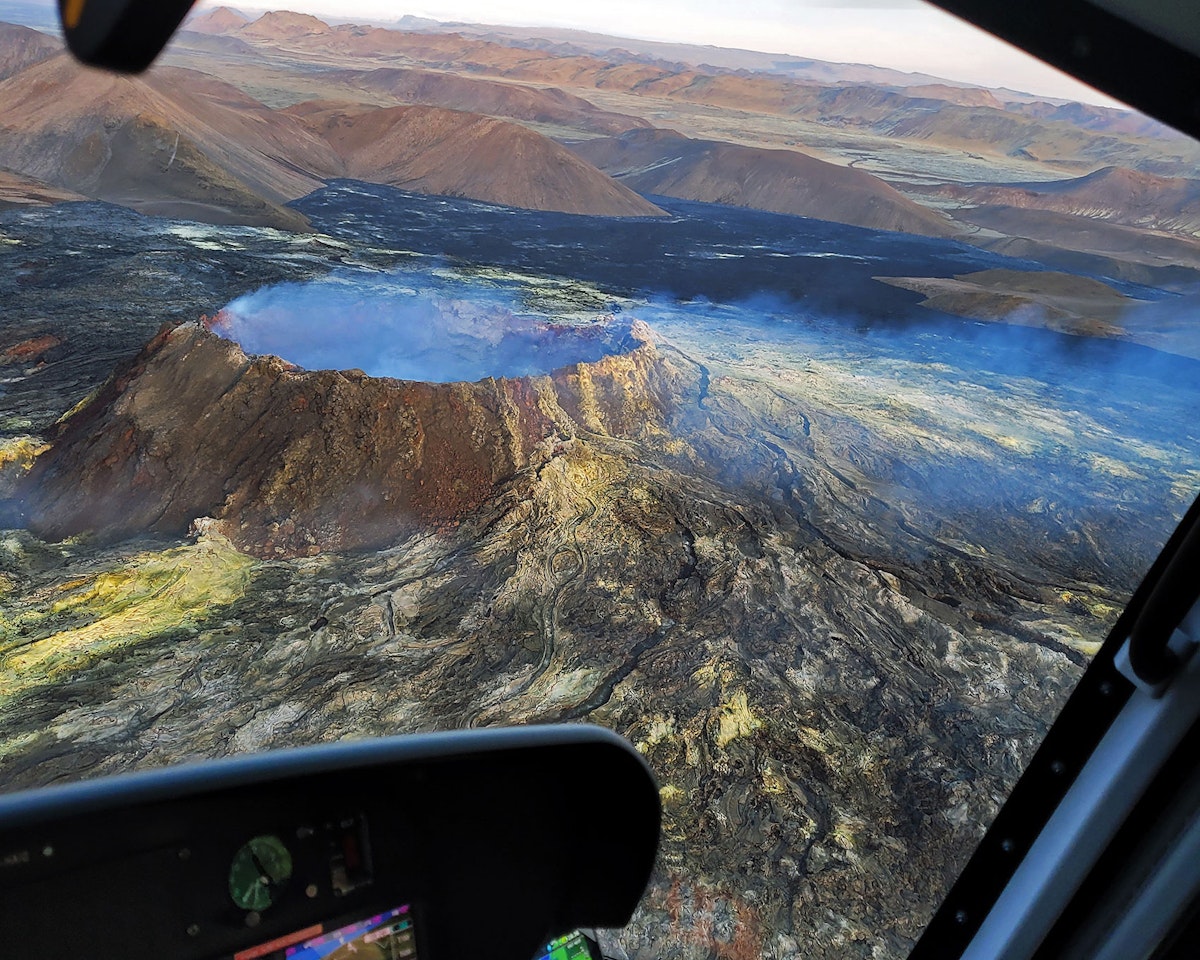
x=31, y=349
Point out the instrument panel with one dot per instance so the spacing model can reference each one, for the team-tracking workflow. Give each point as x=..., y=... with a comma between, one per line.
x=439, y=846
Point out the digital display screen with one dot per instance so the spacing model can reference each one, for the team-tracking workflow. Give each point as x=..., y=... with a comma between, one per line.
x=574, y=946
x=385, y=936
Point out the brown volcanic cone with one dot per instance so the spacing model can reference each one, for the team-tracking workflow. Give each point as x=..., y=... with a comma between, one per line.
x=293, y=462
x=285, y=25
x=174, y=141
x=431, y=150
x=783, y=181
x=218, y=20
x=177, y=142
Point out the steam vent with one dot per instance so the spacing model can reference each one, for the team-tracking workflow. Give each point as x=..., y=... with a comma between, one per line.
x=291, y=462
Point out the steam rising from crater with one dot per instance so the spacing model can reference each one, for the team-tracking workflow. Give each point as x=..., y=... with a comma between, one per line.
x=425, y=325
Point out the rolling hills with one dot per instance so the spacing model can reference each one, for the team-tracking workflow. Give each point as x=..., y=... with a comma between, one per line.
x=1113, y=194
x=1070, y=137
x=183, y=143
x=782, y=181
x=544, y=105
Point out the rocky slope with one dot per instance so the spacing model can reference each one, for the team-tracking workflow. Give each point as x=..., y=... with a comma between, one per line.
x=176, y=138
x=21, y=47
x=835, y=631
x=293, y=462
x=783, y=181
x=1111, y=194
x=182, y=143
x=19, y=191
x=430, y=150
x=833, y=587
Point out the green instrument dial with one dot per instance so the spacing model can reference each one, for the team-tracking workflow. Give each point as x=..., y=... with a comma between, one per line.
x=259, y=872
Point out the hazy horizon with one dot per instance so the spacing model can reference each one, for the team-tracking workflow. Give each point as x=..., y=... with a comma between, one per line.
x=838, y=31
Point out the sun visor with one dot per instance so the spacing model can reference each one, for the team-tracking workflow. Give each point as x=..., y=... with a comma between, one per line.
x=1142, y=52
x=121, y=35
x=1177, y=23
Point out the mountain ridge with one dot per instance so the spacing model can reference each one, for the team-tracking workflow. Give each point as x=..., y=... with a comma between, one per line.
x=180, y=142
x=1055, y=129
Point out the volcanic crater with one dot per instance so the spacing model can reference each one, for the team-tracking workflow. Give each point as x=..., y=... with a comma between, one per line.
x=290, y=462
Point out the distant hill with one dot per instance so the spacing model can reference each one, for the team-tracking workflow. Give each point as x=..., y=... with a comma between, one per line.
x=783, y=181
x=495, y=98
x=219, y=43
x=963, y=96
x=21, y=47
x=1114, y=194
x=1054, y=301
x=178, y=142
x=217, y=20
x=863, y=99
x=430, y=150
x=175, y=142
x=626, y=49
x=1062, y=302
x=284, y=25
x=1082, y=244
x=1091, y=117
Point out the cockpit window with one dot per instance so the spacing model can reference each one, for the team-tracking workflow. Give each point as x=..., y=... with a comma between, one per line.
x=801, y=395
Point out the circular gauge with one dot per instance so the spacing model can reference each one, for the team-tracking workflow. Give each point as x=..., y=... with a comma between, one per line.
x=259, y=872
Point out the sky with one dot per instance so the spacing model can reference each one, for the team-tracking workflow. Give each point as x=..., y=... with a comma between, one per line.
x=902, y=34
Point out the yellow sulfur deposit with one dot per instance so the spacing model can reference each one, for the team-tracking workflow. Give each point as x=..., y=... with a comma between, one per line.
x=16, y=456
x=736, y=719
x=78, y=622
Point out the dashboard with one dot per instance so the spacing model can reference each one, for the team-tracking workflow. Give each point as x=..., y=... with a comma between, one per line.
x=445, y=845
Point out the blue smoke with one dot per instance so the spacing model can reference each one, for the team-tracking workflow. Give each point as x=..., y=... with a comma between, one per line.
x=414, y=325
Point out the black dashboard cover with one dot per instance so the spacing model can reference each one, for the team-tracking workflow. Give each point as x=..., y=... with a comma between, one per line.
x=499, y=840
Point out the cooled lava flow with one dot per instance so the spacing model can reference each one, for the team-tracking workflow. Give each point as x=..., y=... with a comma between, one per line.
x=292, y=462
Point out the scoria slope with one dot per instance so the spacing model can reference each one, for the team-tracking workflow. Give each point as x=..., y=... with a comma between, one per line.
x=21, y=47
x=175, y=141
x=783, y=181
x=1113, y=194
x=430, y=150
